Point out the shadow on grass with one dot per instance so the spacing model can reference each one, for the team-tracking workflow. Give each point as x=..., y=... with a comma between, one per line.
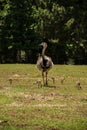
x=50, y=86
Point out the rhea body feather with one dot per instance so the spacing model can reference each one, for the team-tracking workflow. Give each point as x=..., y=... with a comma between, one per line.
x=44, y=63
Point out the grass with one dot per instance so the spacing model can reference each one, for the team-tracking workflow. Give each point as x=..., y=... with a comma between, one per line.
x=24, y=106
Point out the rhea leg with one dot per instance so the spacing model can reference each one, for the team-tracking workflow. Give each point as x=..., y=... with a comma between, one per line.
x=46, y=79
x=43, y=77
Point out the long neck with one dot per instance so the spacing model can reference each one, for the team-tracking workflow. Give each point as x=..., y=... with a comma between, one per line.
x=43, y=51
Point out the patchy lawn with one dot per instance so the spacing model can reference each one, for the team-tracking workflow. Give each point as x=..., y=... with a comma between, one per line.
x=24, y=105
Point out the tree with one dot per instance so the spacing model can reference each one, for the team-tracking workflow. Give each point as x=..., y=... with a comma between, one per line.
x=17, y=32
x=24, y=24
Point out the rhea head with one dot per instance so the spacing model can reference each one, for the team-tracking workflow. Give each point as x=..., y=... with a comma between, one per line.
x=43, y=44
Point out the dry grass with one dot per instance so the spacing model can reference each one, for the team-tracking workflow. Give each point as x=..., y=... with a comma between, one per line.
x=60, y=106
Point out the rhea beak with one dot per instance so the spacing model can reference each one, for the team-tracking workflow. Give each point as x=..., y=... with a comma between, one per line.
x=41, y=44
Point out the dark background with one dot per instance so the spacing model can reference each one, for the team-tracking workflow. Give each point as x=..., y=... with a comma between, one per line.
x=24, y=24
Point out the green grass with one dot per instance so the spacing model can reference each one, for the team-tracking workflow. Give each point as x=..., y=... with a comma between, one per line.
x=25, y=106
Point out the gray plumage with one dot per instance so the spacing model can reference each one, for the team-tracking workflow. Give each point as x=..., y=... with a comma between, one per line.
x=44, y=63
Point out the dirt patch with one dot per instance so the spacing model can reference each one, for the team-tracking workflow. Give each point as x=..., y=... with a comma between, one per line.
x=16, y=104
x=50, y=105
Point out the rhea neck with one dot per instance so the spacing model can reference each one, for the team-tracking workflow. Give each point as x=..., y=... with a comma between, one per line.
x=43, y=51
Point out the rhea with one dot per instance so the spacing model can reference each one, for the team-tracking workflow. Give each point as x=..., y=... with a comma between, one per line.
x=44, y=63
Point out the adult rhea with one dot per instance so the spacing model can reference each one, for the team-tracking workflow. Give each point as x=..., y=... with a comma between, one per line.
x=44, y=63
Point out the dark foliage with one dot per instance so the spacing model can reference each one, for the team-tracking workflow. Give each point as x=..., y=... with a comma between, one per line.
x=25, y=24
